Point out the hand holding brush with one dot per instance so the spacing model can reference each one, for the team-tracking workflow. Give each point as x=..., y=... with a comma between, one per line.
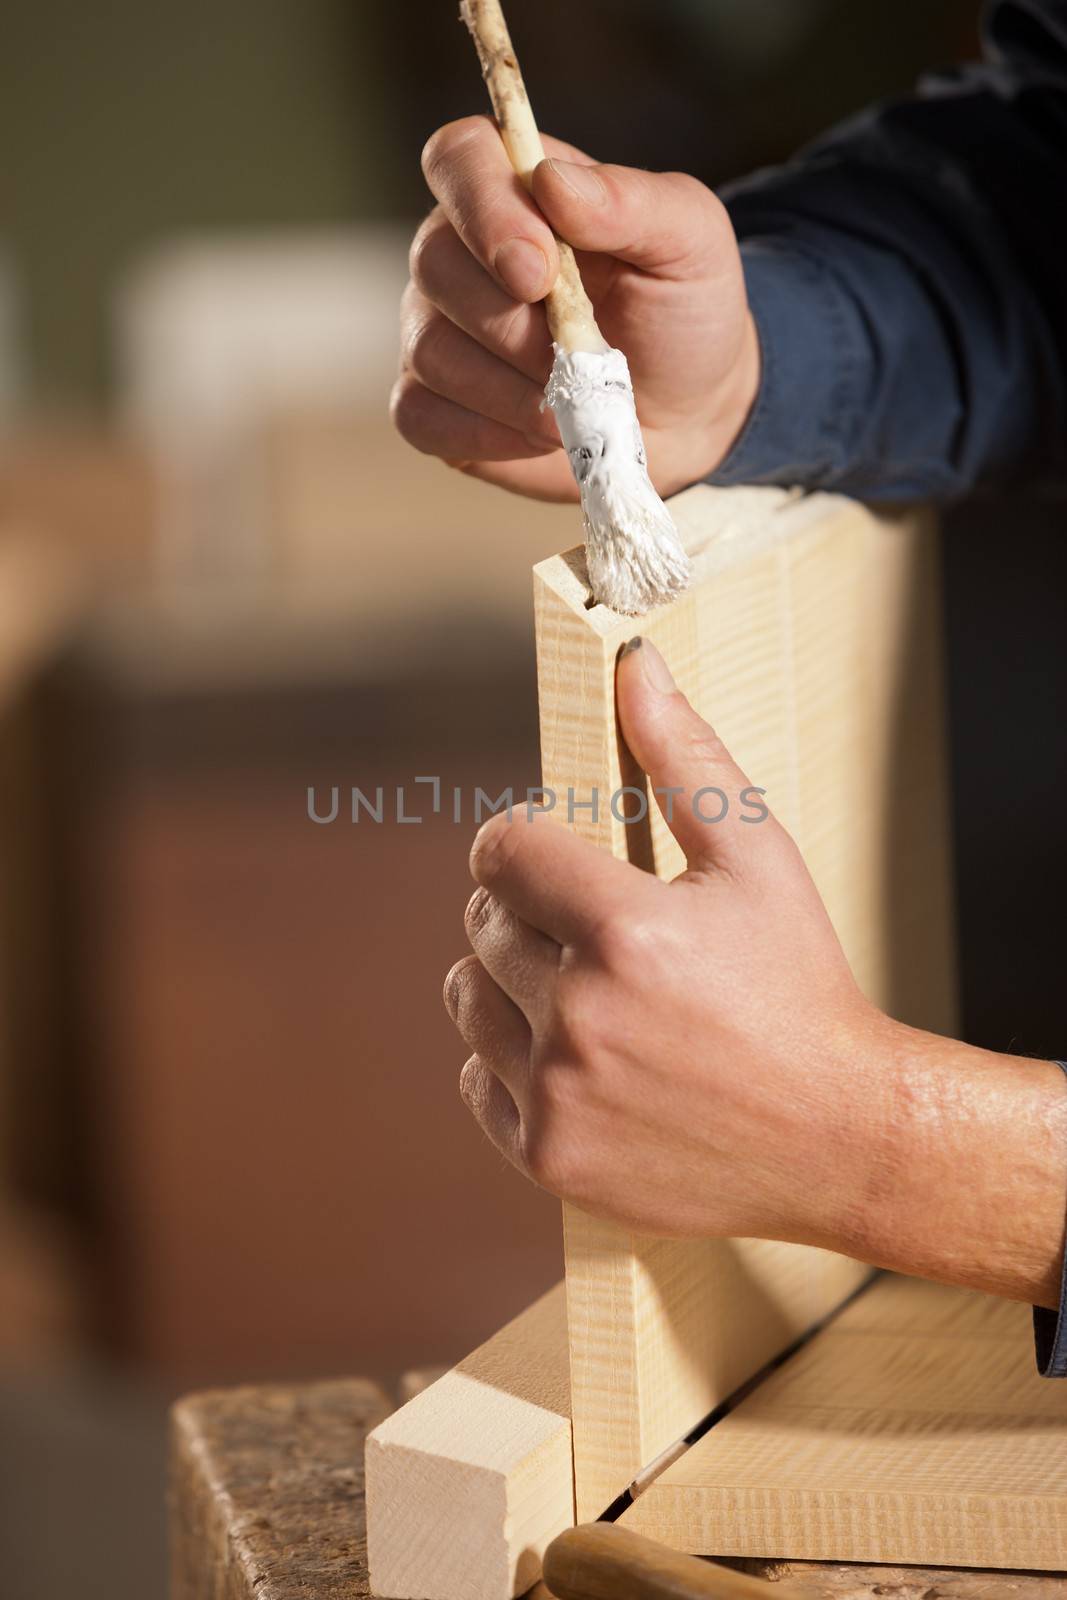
x=661, y=265
x=634, y=555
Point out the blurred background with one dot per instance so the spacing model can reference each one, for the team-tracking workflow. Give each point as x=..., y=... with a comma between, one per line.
x=230, y=1141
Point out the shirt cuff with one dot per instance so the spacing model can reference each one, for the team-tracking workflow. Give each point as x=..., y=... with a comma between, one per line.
x=1050, y=1327
x=812, y=348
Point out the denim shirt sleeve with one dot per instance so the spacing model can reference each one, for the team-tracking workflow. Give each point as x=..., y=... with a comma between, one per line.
x=1050, y=1327
x=906, y=278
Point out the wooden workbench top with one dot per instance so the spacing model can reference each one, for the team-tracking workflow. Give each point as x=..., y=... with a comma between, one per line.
x=266, y=1503
x=266, y=1492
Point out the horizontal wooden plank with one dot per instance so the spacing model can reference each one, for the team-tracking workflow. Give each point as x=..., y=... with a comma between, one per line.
x=914, y=1428
x=267, y=1504
x=468, y=1482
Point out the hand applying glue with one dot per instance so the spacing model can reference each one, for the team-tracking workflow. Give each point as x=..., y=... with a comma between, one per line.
x=659, y=258
x=695, y=1058
x=660, y=261
x=634, y=556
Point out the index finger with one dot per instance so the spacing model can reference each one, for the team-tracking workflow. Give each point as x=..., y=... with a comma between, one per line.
x=561, y=884
x=469, y=174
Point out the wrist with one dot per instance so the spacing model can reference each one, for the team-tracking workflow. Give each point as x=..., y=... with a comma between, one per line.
x=966, y=1176
x=853, y=1146
x=881, y=1138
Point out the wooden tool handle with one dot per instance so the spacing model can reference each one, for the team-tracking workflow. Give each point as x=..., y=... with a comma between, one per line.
x=603, y=1561
x=570, y=311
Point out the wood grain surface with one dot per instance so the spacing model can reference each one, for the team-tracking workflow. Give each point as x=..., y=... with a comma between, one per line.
x=810, y=640
x=468, y=1482
x=914, y=1428
x=267, y=1503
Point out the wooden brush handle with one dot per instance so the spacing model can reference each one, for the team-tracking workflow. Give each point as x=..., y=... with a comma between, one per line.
x=603, y=1561
x=570, y=311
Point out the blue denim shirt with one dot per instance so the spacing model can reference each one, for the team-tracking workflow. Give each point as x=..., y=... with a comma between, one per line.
x=908, y=277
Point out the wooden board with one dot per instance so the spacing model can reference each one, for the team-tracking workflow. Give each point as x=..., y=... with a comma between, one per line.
x=810, y=639
x=913, y=1428
x=267, y=1503
x=468, y=1482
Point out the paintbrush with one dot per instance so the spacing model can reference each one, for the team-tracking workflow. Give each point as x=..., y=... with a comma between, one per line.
x=634, y=556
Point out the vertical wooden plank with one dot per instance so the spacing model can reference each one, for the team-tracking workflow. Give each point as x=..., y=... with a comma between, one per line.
x=809, y=639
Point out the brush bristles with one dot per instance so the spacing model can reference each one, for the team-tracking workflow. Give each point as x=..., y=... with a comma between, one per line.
x=634, y=555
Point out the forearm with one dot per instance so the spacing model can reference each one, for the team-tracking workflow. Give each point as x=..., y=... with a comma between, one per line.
x=967, y=1182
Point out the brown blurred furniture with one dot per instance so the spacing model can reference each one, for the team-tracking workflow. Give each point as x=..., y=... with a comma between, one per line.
x=208, y=1072
x=266, y=1503
x=82, y=490
x=259, y=1072
x=74, y=512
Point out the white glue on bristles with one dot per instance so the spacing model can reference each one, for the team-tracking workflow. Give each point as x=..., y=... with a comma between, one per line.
x=634, y=556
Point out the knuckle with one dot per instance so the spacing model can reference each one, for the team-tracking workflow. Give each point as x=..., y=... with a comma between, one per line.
x=426, y=246
x=555, y=1154
x=577, y=1024
x=495, y=846
x=703, y=745
x=714, y=234
x=458, y=984
x=700, y=201
x=413, y=314
x=777, y=861
x=620, y=943
x=408, y=406
x=508, y=330
x=425, y=352
x=479, y=911
x=688, y=187
x=450, y=987
x=717, y=215
x=438, y=151
x=473, y=1084
x=709, y=229
x=412, y=309
x=516, y=333
x=532, y=420
x=402, y=407
x=545, y=1156
x=444, y=145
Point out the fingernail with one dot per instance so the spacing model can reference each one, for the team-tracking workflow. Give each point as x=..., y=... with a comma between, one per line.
x=581, y=181
x=522, y=266
x=657, y=672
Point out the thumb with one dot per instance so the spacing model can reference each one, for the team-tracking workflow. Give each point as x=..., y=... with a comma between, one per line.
x=662, y=222
x=707, y=801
